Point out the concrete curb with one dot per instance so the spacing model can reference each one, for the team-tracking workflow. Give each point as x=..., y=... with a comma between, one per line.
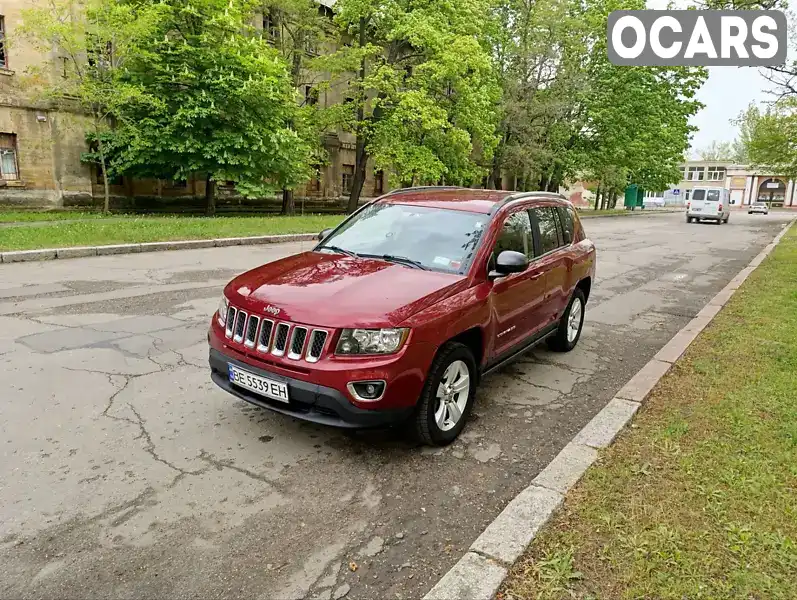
x=83, y=251
x=479, y=574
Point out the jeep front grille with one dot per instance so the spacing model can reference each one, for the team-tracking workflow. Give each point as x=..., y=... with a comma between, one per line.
x=265, y=335
x=279, y=338
x=297, y=342
x=251, y=331
x=240, y=322
x=317, y=340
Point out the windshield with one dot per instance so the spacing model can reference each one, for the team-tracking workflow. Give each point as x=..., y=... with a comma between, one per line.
x=434, y=238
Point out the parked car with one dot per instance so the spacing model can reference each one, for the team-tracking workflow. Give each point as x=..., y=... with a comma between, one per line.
x=758, y=207
x=708, y=204
x=399, y=311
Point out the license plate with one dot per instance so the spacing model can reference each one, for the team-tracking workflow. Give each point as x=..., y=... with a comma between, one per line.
x=696, y=210
x=269, y=388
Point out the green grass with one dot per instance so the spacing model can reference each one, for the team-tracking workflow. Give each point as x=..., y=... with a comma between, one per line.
x=698, y=499
x=27, y=216
x=155, y=229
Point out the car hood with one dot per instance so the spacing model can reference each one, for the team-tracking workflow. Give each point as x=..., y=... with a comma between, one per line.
x=332, y=290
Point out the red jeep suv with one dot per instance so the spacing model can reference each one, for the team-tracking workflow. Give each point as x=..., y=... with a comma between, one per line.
x=400, y=310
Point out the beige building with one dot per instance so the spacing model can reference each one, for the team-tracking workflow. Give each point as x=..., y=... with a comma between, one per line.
x=745, y=185
x=40, y=148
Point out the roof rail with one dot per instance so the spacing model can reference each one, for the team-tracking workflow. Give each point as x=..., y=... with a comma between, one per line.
x=425, y=187
x=521, y=195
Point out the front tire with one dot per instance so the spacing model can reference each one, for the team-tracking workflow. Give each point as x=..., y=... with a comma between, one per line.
x=570, y=325
x=447, y=395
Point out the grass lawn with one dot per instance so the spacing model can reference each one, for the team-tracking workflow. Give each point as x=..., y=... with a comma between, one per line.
x=698, y=499
x=26, y=216
x=155, y=229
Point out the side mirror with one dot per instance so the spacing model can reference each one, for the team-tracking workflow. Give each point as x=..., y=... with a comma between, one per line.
x=324, y=234
x=509, y=262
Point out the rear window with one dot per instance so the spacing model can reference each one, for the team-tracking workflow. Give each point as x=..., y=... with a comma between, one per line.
x=699, y=195
x=713, y=196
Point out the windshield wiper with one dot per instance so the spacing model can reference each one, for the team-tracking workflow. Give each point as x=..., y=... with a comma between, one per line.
x=404, y=260
x=338, y=249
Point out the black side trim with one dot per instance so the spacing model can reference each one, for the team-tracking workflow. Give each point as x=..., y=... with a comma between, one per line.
x=522, y=347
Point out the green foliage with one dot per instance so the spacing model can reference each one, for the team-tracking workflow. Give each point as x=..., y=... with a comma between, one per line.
x=770, y=136
x=214, y=98
x=425, y=87
x=734, y=151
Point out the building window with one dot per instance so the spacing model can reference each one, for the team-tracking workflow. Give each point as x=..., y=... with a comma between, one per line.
x=314, y=186
x=271, y=25
x=716, y=173
x=3, y=56
x=311, y=47
x=310, y=95
x=379, y=183
x=695, y=174
x=8, y=156
x=348, y=178
x=687, y=193
x=683, y=172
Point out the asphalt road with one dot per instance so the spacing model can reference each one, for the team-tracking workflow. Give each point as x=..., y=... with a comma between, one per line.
x=126, y=473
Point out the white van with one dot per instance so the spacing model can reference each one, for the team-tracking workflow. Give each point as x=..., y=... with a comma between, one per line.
x=709, y=204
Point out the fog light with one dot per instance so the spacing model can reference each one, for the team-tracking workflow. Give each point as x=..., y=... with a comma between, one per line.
x=367, y=390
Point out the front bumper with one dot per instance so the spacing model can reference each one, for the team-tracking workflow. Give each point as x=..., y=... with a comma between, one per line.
x=308, y=401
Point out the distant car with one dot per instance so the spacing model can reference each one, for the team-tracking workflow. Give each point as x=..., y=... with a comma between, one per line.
x=708, y=204
x=758, y=207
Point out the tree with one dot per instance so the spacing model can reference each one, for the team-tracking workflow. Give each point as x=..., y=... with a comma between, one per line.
x=91, y=42
x=300, y=30
x=724, y=151
x=213, y=97
x=772, y=136
x=419, y=87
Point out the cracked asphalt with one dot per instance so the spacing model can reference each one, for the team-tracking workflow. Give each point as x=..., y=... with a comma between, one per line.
x=126, y=473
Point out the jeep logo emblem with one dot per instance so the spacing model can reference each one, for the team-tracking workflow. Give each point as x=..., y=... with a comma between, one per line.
x=272, y=310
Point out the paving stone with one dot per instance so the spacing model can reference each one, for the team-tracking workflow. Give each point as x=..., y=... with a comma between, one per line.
x=646, y=378
x=474, y=577
x=118, y=249
x=566, y=469
x=28, y=255
x=673, y=350
x=177, y=245
x=76, y=252
x=722, y=297
x=508, y=535
x=604, y=427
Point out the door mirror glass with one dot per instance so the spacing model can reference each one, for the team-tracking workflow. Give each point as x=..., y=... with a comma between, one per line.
x=324, y=234
x=509, y=262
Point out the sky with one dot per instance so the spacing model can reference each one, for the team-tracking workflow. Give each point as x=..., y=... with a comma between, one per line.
x=727, y=92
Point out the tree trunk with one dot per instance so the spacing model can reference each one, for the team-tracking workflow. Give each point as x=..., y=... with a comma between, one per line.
x=288, y=203
x=106, y=207
x=597, y=196
x=210, y=196
x=360, y=157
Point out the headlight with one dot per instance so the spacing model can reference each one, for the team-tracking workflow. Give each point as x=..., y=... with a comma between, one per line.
x=371, y=341
x=221, y=314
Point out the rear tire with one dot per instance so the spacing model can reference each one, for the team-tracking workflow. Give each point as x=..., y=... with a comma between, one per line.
x=569, y=331
x=441, y=416
x=688, y=219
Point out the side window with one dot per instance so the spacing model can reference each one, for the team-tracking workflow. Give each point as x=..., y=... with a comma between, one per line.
x=515, y=235
x=566, y=218
x=549, y=234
